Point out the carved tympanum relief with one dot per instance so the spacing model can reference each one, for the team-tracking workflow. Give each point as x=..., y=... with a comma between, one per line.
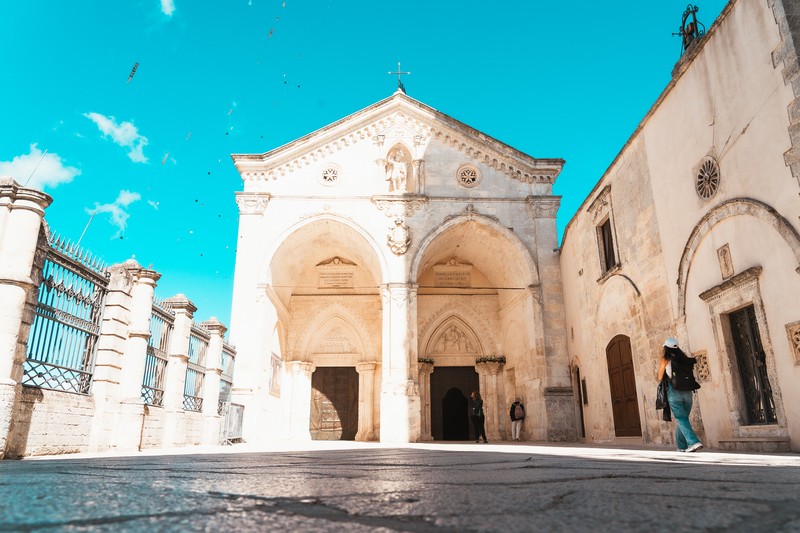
x=337, y=340
x=453, y=341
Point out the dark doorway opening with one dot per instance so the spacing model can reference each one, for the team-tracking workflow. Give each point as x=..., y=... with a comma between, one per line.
x=334, y=403
x=450, y=390
x=752, y=364
x=622, y=379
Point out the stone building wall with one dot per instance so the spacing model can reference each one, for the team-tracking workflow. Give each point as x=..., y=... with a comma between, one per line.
x=689, y=256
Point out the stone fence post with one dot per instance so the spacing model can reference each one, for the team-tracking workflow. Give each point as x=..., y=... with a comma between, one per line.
x=176, y=367
x=21, y=214
x=121, y=355
x=211, y=382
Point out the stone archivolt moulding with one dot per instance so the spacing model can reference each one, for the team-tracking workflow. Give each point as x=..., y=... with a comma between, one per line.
x=252, y=203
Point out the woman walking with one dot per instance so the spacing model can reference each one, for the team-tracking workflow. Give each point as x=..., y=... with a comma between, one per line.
x=680, y=386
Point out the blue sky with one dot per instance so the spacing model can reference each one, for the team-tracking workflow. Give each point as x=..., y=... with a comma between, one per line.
x=150, y=157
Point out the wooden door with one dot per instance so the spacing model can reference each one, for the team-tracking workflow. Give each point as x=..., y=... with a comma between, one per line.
x=622, y=381
x=334, y=403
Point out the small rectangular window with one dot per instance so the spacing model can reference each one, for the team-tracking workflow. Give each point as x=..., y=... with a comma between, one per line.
x=606, y=238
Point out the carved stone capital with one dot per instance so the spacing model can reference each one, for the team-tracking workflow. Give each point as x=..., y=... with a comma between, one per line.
x=399, y=207
x=252, y=203
x=544, y=207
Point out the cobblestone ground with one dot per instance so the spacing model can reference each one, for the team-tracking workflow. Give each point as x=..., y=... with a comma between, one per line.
x=435, y=487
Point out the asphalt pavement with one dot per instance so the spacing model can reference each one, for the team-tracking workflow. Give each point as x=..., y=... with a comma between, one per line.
x=442, y=487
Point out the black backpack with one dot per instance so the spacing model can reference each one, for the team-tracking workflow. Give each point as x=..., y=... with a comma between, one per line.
x=683, y=373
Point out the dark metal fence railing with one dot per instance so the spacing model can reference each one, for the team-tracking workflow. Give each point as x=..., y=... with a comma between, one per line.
x=63, y=337
x=161, y=323
x=195, y=370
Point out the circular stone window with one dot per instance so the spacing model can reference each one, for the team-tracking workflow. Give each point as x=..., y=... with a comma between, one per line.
x=468, y=176
x=329, y=176
x=707, y=180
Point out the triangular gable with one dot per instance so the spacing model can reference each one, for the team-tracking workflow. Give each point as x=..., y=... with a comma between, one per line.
x=412, y=119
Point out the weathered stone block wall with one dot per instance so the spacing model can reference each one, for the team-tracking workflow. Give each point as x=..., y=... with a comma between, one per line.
x=51, y=422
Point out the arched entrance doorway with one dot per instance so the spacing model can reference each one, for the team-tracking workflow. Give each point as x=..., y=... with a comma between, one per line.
x=622, y=381
x=450, y=390
x=334, y=403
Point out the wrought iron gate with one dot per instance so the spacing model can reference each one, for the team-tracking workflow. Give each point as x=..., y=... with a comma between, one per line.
x=66, y=325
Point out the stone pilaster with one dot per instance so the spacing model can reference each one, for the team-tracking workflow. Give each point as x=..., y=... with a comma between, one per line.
x=366, y=401
x=176, y=367
x=400, y=404
x=300, y=374
x=21, y=213
x=211, y=418
x=424, y=372
x=133, y=361
x=491, y=399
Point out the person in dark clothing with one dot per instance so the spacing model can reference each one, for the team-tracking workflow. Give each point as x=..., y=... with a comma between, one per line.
x=680, y=401
x=476, y=414
x=517, y=415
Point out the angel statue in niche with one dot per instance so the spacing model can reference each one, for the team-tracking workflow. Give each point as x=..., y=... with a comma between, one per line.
x=397, y=172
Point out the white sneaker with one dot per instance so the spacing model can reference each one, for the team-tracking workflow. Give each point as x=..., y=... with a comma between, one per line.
x=694, y=447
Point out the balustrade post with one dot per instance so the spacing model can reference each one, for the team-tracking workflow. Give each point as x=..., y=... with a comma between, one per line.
x=21, y=213
x=176, y=366
x=212, y=380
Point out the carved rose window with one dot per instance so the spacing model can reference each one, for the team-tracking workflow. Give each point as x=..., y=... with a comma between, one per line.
x=468, y=176
x=707, y=180
x=329, y=176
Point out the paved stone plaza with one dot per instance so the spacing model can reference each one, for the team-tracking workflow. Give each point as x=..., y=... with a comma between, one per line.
x=419, y=487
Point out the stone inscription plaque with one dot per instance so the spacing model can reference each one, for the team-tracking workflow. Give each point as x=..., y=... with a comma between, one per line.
x=452, y=274
x=336, y=274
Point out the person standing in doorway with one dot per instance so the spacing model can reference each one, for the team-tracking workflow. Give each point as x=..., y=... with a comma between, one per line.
x=476, y=413
x=680, y=386
x=517, y=415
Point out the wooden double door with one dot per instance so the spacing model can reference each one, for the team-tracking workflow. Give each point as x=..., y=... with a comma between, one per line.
x=334, y=403
x=622, y=380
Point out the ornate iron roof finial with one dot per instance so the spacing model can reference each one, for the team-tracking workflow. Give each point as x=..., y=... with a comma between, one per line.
x=690, y=30
x=399, y=73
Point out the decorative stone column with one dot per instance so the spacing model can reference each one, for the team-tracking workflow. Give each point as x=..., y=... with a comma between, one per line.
x=300, y=421
x=211, y=417
x=425, y=370
x=491, y=401
x=366, y=401
x=400, y=408
x=21, y=213
x=176, y=366
x=135, y=354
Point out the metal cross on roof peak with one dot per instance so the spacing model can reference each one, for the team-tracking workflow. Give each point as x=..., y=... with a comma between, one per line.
x=399, y=73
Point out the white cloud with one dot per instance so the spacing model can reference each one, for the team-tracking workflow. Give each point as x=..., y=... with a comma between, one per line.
x=118, y=215
x=49, y=173
x=168, y=7
x=124, y=134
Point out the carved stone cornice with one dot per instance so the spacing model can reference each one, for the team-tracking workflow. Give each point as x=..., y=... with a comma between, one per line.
x=601, y=204
x=470, y=212
x=403, y=207
x=252, y=203
x=544, y=206
x=541, y=171
x=742, y=279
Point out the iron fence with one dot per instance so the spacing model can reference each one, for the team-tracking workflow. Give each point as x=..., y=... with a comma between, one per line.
x=195, y=371
x=63, y=337
x=161, y=323
x=226, y=378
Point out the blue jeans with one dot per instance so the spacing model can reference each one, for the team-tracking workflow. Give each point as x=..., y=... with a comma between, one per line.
x=680, y=402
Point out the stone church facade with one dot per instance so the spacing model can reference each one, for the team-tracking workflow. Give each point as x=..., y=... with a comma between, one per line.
x=388, y=265
x=392, y=262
